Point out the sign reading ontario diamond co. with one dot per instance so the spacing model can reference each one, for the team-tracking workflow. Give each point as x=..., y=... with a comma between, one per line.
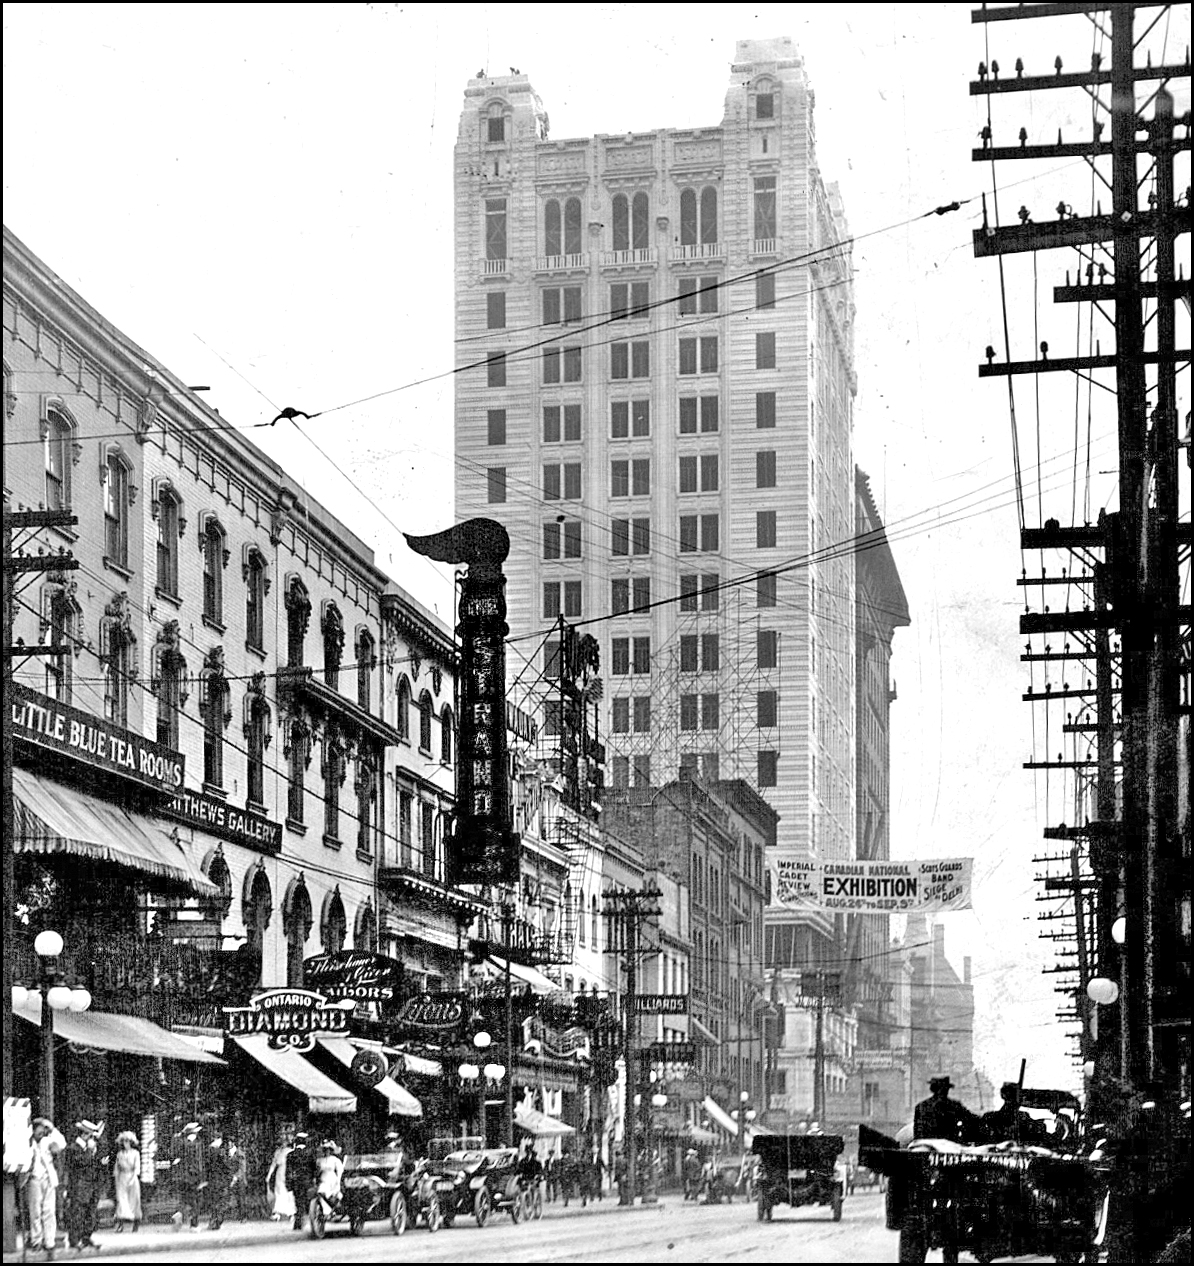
x=290, y=1017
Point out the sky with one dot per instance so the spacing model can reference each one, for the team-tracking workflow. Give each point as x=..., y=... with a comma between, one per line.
x=261, y=196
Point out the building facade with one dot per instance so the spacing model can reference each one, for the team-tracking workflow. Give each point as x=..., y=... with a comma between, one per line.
x=655, y=393
x=265, y=722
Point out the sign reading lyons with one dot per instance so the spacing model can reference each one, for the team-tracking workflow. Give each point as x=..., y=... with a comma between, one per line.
x=875, y=887
x=291, y=1017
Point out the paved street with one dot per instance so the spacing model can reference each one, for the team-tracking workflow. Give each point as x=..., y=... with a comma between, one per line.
x=671, y=1232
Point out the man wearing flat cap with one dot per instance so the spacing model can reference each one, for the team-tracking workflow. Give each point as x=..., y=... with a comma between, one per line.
x=940, y=1117
x=86, y=1180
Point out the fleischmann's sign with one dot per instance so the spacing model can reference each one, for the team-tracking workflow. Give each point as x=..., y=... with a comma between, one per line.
x=291, y=1017
x=57, y=727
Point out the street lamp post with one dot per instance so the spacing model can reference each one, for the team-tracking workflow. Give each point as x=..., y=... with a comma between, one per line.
x=56, y=995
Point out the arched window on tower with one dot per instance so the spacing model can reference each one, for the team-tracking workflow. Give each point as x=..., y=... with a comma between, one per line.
x=552, y=225
x=621, y=217
x=640, y=229
x=708, y=215
x=688, y=217
x=572, y=227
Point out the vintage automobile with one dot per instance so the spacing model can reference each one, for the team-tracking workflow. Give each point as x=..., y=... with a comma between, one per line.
x=992, y=1200
x=508, y=1192
x=799, y=1169
x=372, y=1187
x=462, y=1184
x=734, y=1176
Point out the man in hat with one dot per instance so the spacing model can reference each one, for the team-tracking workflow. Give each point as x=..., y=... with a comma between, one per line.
x=940, y=1117
x=189, y=1169
x=300, y=1176
x=86, y=1179
x=219, y=1181
x=1009, y=1122
x=692, y=1174
x=41, y=1188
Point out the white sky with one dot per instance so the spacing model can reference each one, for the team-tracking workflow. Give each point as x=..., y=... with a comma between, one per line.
x=270, y=186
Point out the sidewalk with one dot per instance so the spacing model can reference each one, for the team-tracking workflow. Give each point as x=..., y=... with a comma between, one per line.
x=160, y=1238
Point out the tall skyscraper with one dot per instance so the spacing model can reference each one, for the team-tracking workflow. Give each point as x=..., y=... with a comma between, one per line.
x=654, y=333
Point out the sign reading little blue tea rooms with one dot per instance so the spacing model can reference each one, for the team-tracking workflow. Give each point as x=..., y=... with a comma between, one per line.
x=291, y=1017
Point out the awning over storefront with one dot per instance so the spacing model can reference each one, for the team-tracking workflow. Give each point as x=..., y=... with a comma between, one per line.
x=699, y=1033
x=51, y=817
x=538, y=982
x=414, y=1063
x=697, y=1135
x=129, y=1034
x=540, y=1124
x=719, y=1115
x=323, y=1094
x=401, y=1102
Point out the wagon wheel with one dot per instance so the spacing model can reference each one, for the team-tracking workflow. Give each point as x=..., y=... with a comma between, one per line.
x=319, y=1223
x=398, y=1215
x=482, y=1207
x=434, y=1214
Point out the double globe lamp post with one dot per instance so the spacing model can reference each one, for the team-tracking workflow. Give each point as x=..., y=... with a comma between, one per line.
x=56, y=995
x=470, y=1073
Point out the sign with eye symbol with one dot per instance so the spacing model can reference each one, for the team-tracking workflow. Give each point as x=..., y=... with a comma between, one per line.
x=370, y=1067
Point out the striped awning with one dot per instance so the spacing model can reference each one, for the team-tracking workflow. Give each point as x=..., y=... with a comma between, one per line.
x=400, y=1100
x=323, y=1094
x=128, y=1034
x=719, y=1115
x=51, y=817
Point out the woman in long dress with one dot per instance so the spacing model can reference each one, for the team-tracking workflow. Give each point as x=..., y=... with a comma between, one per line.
x=328, y=1170
x=126, y=1173
x=275, y=1180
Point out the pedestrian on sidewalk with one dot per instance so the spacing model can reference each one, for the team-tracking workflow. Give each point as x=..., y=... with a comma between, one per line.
x=300, y=1176
x=189, y=1170
x=275, y=1181
x=219, y=1181
x=126, y=1180
x=41, y=1187
x=86, y=1177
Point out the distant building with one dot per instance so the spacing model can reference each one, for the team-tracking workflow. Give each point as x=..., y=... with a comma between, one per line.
x=654, y=394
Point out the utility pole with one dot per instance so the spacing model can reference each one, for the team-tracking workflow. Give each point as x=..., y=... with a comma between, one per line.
x=628, y=911
x=14, y=565
x=1135, y=850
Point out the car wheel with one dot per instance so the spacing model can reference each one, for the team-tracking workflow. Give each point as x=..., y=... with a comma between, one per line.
x=482, y=1207
x=912, y=1245
x=319, y=1224
x=434, y=1214
x=398, y=1215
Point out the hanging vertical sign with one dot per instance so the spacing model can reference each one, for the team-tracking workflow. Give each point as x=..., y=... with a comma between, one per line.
x=483, y=849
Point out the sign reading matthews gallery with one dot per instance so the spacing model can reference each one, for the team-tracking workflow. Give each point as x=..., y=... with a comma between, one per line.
x=898, y=887
x=57, y=727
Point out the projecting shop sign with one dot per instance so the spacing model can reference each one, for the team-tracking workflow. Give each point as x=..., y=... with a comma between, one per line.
x=661, y=1004
x=873, y=887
